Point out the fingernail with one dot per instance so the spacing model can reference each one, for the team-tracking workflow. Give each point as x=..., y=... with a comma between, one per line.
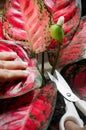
x=26, y=72
x=14, y=54
x=25, y=64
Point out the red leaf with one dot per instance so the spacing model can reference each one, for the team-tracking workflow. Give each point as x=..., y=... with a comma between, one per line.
x=27, y=21
x=69, y=28
x=16, y=88
x=71, y=51
x=75, y=75
x=1, y=32
x=55, y=5
x=28, y=111
x=71, y=13
x=76, y=49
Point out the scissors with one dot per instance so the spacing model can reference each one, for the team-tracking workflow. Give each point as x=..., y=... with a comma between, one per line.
x=69, y=98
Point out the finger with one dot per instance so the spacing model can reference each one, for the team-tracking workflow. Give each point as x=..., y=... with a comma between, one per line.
x=70, y=125
x=7, y=55
x=12, y=65
x=7, y=75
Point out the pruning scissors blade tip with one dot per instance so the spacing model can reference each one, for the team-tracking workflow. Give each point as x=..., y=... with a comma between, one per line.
x=61, y=87
x=51, y=77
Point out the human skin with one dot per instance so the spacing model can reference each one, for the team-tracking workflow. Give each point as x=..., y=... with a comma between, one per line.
x=11, y=69
x=70, y=125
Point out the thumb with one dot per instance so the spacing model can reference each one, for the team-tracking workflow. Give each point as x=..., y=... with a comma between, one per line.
x=70, y=125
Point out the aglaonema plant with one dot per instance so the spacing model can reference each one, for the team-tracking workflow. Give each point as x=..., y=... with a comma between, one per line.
x=29, y=23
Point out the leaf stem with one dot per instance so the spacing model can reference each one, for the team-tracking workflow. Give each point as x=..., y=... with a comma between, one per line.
x=42, y=70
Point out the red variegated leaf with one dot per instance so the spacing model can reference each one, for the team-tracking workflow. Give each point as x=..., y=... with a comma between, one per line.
x=16, y=88
x=76, y=49
x=63, y=12
x=54, y=5
x=31, y=111
x=75, y=75
x=1, y=32
x=27, y=21
x=69, y=29
x=71, y=10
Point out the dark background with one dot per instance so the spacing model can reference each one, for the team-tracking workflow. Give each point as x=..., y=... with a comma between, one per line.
x=83, y=7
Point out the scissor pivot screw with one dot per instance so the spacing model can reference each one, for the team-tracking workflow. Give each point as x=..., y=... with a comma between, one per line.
x=68, y=94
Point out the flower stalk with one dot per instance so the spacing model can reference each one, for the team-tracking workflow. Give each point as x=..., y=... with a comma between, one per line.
x=56, y=58
x=57, y=33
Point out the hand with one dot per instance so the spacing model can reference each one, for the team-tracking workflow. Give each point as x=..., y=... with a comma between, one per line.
x=10, y=69
x=70, y=125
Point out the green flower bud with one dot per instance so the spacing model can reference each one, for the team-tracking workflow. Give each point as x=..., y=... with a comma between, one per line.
x=56, y=30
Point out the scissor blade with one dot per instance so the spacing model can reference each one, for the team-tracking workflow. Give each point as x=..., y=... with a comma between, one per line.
x=62, y=80
x=69, y=95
